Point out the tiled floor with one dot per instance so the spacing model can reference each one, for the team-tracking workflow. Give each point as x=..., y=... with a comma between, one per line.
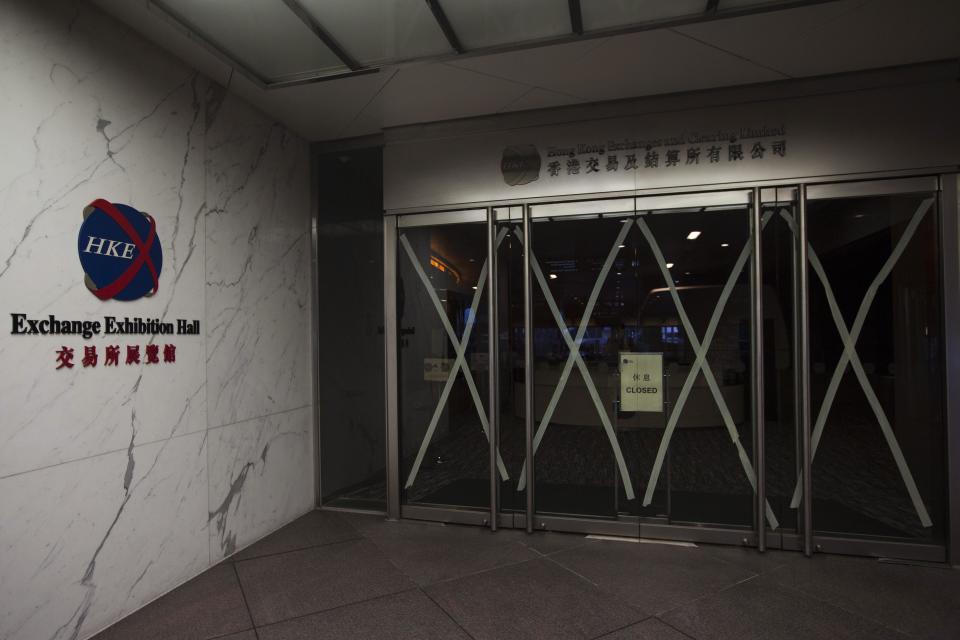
x=337, y=575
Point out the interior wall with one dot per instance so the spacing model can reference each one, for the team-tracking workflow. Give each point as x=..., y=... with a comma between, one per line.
x=119, y=483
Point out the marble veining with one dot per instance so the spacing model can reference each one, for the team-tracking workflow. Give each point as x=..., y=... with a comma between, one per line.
x=118, y=484
x=91, y=126
x=257, y=272
x=260, y=472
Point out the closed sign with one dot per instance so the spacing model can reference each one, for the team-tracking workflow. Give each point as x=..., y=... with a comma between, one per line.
x=641, y=382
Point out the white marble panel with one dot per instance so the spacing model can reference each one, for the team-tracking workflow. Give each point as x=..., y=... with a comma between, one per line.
x=261, y=476
x=99, y=113
x=257, y=264
x=84, y=543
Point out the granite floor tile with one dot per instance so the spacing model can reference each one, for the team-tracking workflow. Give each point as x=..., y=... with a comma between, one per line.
x=287, y=585
x=546, y=542
x=367, y=522
x=314, y=529
x=210, y=605
x=535, y=599
x=430, y=553
x=750, y=559
x=407, y=615
x=651, y=577
x=761, y=609
x=250, y=634
x=921, y=601
x=649, y=629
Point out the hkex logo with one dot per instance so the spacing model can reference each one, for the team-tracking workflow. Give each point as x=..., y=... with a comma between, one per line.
x=119, y=251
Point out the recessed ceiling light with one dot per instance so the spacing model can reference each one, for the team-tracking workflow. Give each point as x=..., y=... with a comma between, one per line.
x=669, y=265
x=553, y=276
x=693, y=235
x=725, y=244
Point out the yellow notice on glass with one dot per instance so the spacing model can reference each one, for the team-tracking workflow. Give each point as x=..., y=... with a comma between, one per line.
x=641, y=382
x=437, y=369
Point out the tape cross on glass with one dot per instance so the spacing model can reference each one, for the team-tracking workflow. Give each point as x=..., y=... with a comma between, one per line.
x=850, y=357
x=701, y=365
x=460, y=347
x=574, y=357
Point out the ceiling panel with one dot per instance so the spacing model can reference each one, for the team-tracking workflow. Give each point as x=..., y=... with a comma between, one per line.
x=488, y=23
x=604, y=14
x=266, y=37
x=316, y=111
x=840, y=36
x=431, y=92
x=623, y=66
x=823, y=38
x=380, y=31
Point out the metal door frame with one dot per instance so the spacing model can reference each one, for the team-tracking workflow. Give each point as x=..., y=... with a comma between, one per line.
x=947, y=187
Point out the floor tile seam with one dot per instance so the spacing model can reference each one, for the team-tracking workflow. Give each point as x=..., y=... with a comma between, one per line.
x=742, y=568
x=675, y=628
x=446, y=613
x=473, y=574
x=552, y=553
x=613, y=596
x=446, y=580
x=839, y=607
x=571, y=571
x=391, y=562
x=246, y=604
x=346, y=520
x=336, y=608
x=284, y=553
x=621, y=628
x=234, y=559
x=686, y=603
x=232, y=633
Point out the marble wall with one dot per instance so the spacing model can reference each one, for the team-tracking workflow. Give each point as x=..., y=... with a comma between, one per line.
x=117, y=484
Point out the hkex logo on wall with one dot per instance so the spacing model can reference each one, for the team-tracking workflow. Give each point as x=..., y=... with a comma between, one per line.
x=119, y=251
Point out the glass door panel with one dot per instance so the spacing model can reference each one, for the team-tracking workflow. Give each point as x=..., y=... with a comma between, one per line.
x=693, y=269
x=442, y=368
x=876, y=359
x=583, y=295
x=670, y=277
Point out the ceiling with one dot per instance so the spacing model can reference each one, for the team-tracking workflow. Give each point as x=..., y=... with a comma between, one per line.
x=411, y=71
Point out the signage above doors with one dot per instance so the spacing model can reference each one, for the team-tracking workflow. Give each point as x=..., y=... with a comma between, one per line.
x=780, y=136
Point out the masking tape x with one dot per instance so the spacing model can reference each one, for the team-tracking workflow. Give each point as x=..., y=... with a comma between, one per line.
x=850, y=356
x=701, y=364
x=460, y=346
x=574, y=357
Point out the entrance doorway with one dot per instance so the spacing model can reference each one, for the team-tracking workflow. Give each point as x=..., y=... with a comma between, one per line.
x=513, y=325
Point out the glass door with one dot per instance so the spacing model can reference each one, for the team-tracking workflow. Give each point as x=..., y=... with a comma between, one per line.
x=668, y=279
x=876, y=386
x=784, y=346
x=443, y=368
